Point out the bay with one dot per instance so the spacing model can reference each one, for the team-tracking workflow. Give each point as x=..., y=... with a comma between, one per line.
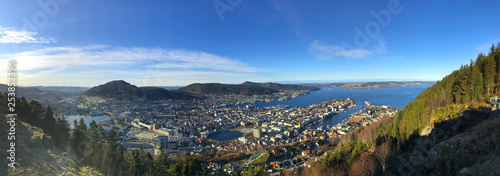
x=396, y=97
x=86, y=118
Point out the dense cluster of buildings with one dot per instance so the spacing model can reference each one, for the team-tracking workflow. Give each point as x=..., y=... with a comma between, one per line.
x=177, y=126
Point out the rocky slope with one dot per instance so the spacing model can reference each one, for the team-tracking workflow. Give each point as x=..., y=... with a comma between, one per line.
x=467, y=145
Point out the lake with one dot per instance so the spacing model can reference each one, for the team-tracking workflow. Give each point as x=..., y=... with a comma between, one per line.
x=86, y=118
x=226, y=135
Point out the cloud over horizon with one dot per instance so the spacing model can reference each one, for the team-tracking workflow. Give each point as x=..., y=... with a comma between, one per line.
x=323, y=51
x=145, y=66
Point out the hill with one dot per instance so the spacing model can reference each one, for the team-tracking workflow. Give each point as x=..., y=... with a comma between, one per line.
x=156, y=93
x=66, y=89
x=278, y=86
x=246, y=88
x=31, y=91
x=121, y=90
x=27, y=92
x=226, y=89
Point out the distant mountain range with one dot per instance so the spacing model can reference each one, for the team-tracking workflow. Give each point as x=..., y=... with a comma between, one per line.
x=43, y=92
x=247, y=88
x=67, y=89
x=121, y=90
x=373, y=85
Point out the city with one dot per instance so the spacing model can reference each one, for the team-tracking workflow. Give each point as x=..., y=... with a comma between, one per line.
x=249, y=88
x=283, y=135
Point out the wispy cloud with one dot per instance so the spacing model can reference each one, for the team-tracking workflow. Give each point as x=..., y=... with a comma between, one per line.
x=202, y=60
x=290, y=15
x=147, y=66
x=11, y=35
x=323, y=51
x=485, y=47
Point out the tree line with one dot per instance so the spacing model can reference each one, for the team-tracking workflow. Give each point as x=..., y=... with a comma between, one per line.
x=93, y=147
x=33, y=113
x=366, y=151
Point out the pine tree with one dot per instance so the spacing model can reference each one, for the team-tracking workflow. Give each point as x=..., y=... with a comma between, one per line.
x=49, y=122
x=62, y=129
x=79, y=139
x=473, y=74
x=100, y=133
x=478, y=84
x=82, y=126
x=93, y=130
x=489, y=74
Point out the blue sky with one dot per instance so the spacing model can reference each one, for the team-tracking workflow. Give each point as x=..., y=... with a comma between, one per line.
x=175, y=43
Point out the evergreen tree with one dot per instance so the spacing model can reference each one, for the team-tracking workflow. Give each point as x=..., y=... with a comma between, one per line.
x=489, y=74
x=161, y=164
x=176, y=169
x=79, y=139
x=101, y=134
x=49, y=122
x=62, y=129
x=82, y=126
x=478, y=84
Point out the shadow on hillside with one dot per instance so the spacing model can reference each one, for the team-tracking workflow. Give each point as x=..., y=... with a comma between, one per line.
x=411, y=157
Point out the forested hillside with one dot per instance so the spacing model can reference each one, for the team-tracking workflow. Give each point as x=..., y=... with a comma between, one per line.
x=121, y=90
x=45, y=145
x=227, y=89
x=449, y=109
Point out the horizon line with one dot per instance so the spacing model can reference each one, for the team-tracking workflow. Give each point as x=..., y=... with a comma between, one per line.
x=279, y=82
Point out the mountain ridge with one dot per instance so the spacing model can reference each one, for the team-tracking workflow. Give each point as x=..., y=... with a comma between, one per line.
x=247, y=88
x=121, y=90
x=279, y=86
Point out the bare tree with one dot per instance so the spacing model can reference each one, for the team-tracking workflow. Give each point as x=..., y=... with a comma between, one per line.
x=382, y=153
